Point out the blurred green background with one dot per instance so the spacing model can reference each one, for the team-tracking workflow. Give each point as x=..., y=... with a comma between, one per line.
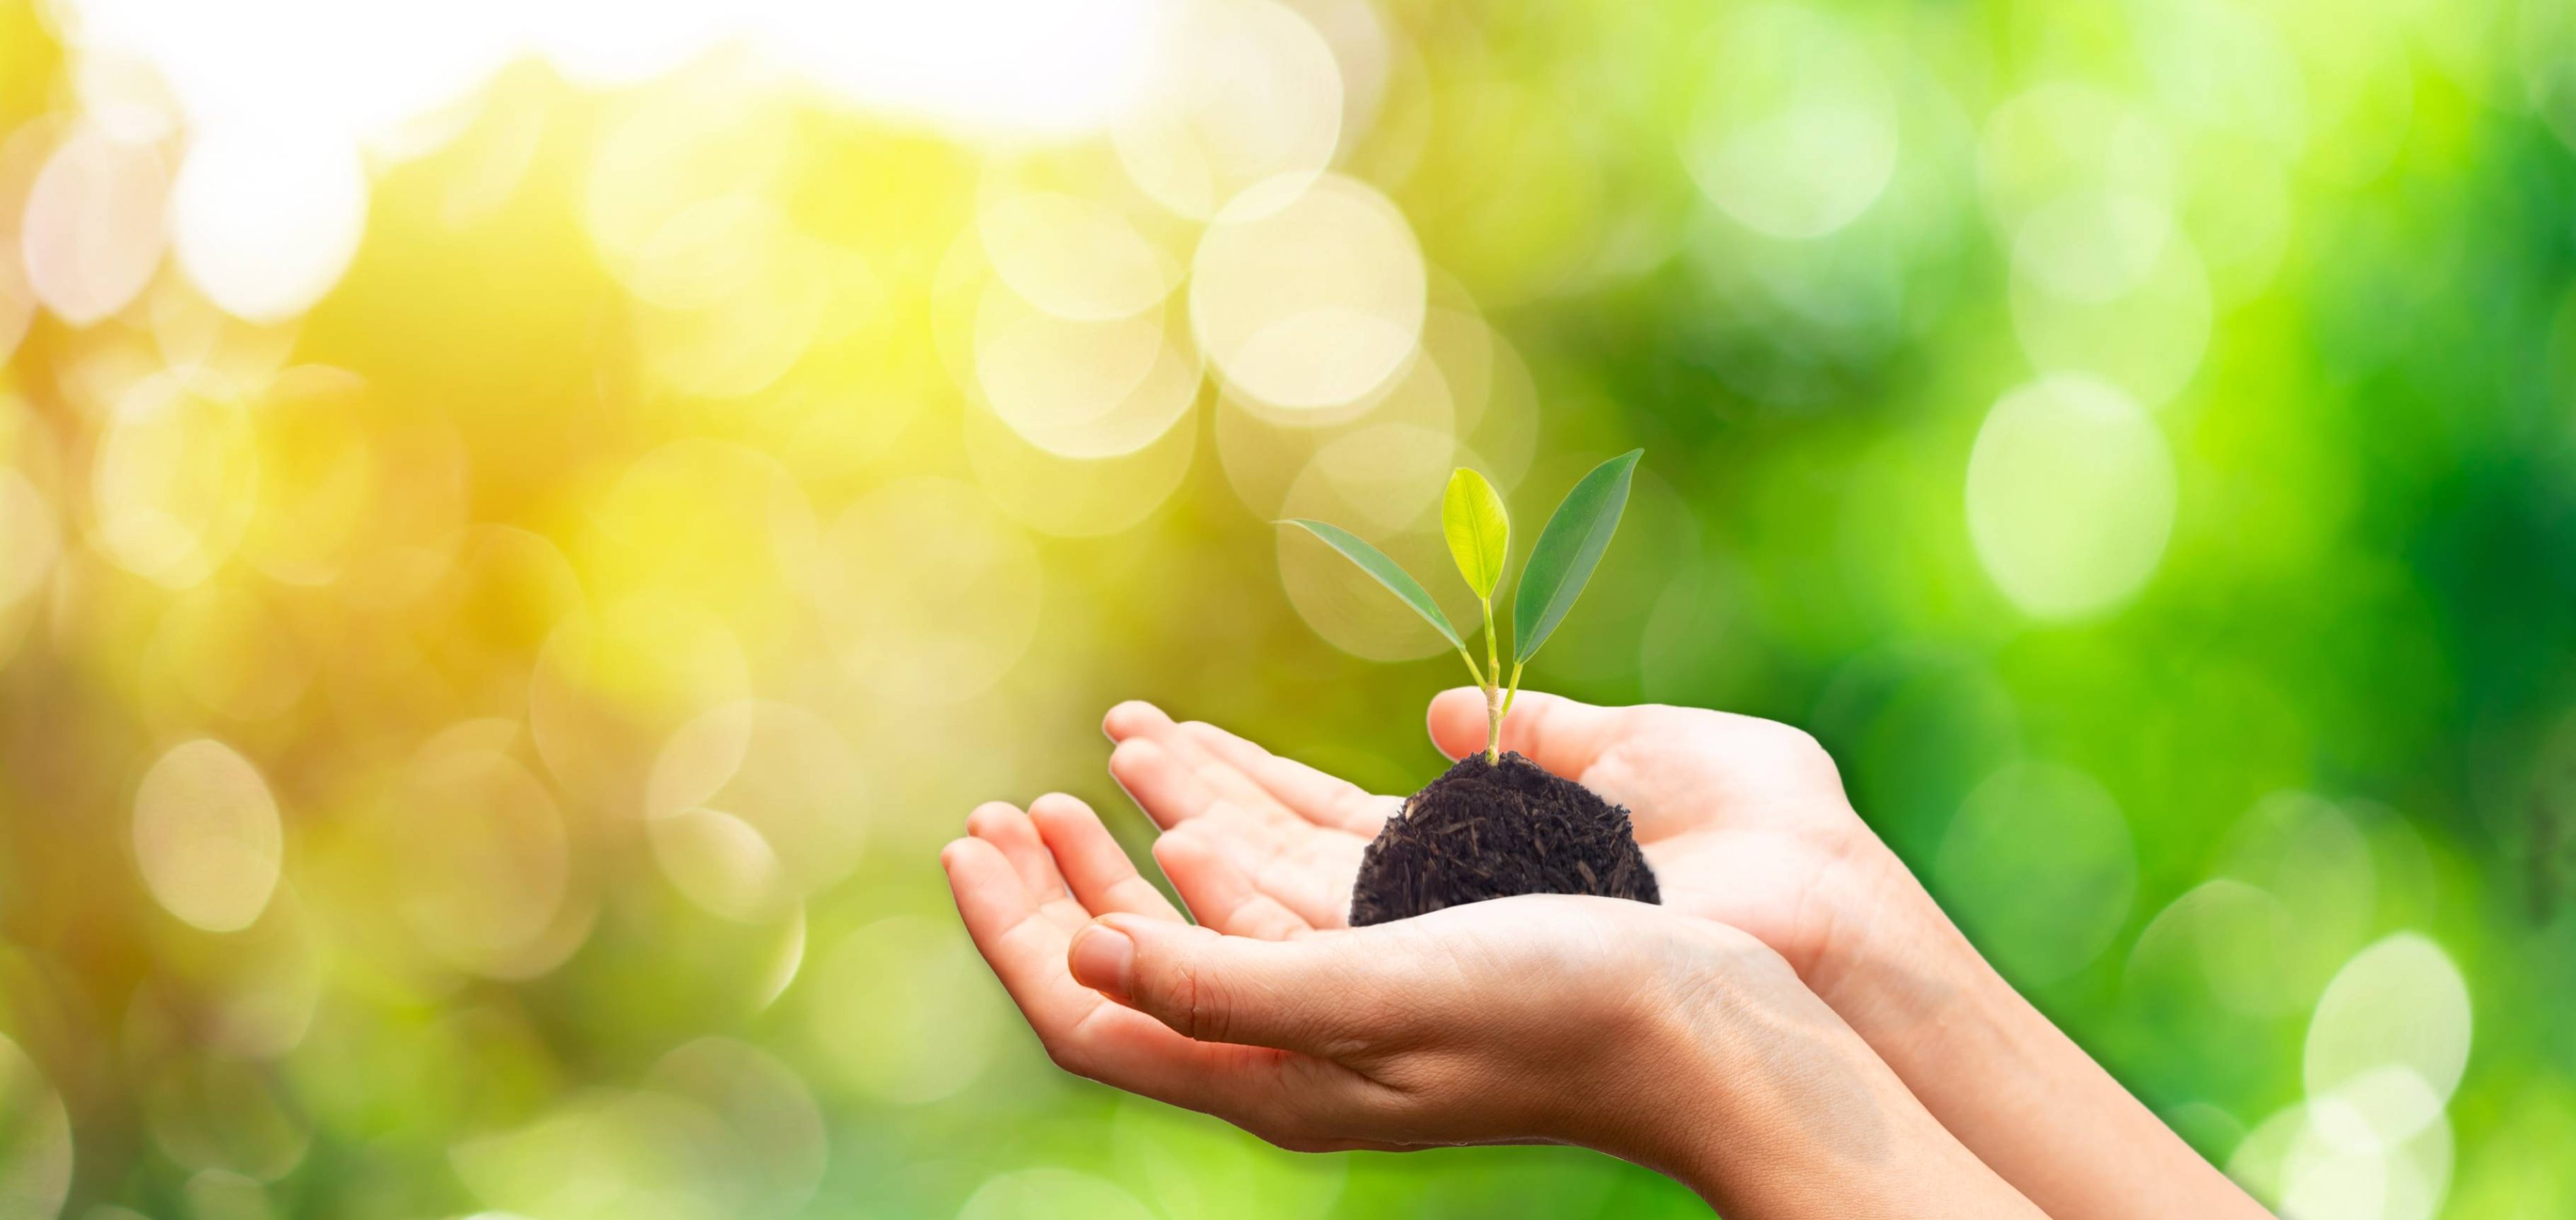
x=524, y=526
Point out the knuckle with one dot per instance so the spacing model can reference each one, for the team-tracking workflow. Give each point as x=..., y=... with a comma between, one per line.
x=1198, y=1001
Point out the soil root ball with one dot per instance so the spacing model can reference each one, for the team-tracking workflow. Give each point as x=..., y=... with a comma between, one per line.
x=1492, y=830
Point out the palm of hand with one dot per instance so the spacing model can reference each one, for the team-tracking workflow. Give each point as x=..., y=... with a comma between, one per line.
x=1744, y=820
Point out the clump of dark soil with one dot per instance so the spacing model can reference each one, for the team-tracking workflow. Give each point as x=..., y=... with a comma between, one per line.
x=1492, y=830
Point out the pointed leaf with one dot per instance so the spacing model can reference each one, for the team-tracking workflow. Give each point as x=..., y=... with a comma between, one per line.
x=1374, y=562
x=1568, y=548
x=1479, y=530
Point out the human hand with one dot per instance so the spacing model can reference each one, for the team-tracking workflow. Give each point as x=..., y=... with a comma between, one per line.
x=1744, y=820
x=1746, y=824
x=1675, y=1042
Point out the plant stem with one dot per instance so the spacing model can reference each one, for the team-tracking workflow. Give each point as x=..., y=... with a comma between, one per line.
x=1472, y=671
x=1513, y=691
x=1493, y=693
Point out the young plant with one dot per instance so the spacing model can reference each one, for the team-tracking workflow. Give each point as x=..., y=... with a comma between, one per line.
x=1480, y=535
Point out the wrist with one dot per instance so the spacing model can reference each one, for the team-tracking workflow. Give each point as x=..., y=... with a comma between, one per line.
x=1767, y=1104
x=1892, y=964
x=1705, y=1073
x=1881, y=934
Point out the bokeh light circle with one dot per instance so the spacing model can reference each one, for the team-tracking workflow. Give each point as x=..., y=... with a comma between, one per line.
x=930, y=594
x=1073, y=257
x=486, y=875
x=1794, y=133
x=722, y=863
x=2091, y=245
x=35, y=1140
x=706, y=252
x=1083, y=388
x=1265, y=450
x=2040, y=868
x=2070, y=496
x=2145, y=336
x=611, y=685
x=780, y=1142
x=1245, y=90
x=915, y=1043
x=92, y=232
x=2317, y=873
x=207, y=836
x=607, y=1153
x=790, y=777
x=2066, y=138
x=265, y=221
x=1308, y=295
x=2297, y=1162
x=2391, y=1036
x=177, y=477
x=2219, y=944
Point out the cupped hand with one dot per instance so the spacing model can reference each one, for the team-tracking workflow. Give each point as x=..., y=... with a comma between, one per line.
x=1475, y=1027
x=1744, y=820
x=1675, y=1042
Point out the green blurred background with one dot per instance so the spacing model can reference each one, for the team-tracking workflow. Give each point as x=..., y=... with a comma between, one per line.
x=523, y=527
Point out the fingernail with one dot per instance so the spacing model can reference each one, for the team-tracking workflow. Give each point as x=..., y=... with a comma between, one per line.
x=1104, y=960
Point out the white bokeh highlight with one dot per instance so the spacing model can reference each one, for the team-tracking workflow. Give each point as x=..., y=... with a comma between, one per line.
x=2071, y=494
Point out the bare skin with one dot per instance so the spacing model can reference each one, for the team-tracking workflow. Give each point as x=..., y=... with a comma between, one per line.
x=1675, y=1042
x=1746, y=824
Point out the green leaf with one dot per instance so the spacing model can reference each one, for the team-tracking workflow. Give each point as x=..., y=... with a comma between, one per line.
x=1479, y=530
x=1567, y=550
x=1374, y=562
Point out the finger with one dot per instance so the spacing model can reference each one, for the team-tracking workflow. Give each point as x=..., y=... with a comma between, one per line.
x=1083, y=1031
x=1317, y=995
x=1134, y=718
x=1326, y=800
x=1097, y=869
x=1555, y=732
x=1001, y=824
x=1306, y=868
x=1015, y=937
x=1165, y=786
x=1188, y=743
x=1219, y=893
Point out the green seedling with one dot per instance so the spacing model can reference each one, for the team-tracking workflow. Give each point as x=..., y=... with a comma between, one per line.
x=1480, y=536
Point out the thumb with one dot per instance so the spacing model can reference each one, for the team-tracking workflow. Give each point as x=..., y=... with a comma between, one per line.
x=1294, y=995
x=1555, y=732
